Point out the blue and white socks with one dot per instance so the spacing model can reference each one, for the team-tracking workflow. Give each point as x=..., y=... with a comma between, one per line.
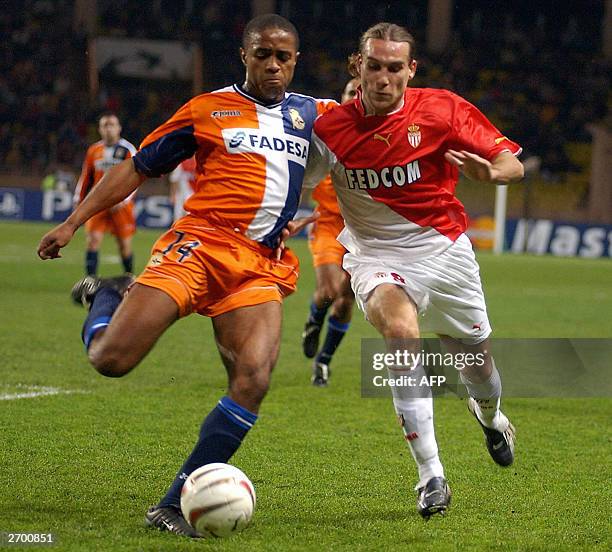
x=221, y=434
x=104, y=305
x=335, y=332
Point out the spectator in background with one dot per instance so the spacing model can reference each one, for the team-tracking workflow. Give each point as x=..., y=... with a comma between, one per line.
x=60, y=179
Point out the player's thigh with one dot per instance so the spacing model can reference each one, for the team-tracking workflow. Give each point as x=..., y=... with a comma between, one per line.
x=392, y=312
x=248, y=338
x=142, y=317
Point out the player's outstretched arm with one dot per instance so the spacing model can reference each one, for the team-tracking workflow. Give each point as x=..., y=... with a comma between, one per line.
x=117, y=184
x=504, y=168
x=293, y=227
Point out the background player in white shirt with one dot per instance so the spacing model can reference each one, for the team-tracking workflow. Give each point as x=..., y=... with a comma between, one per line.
x=394, y=156
x=182, y=185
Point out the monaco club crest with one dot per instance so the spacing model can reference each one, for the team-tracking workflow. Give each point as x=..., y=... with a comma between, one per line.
x=414, y=135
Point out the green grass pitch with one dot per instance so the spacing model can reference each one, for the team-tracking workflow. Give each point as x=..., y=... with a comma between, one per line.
x=330, y=468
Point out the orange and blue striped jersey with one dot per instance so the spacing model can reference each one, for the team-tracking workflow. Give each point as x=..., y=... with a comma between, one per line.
x=98, y=160
x=250, y=157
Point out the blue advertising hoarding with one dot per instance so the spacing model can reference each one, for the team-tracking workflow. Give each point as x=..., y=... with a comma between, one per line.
x=538, y=236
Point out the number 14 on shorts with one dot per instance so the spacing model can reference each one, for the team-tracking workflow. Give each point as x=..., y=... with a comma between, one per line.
x=182, y=247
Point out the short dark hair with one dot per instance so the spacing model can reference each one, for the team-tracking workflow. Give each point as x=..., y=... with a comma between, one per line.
x=108, y=114
x=269, y=21
x=384, y=31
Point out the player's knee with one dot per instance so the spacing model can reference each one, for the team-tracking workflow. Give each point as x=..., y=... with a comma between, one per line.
x=252, y=384
x=343, y=307
x=400, y=329
x=109, y=362
x=326, y=294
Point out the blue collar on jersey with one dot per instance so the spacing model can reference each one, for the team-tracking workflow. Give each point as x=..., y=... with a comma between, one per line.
x=238, y=88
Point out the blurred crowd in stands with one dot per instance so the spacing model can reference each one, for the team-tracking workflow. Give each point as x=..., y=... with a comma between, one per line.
x=533, y=68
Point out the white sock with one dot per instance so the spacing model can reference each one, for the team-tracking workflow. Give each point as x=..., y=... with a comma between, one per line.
x=414, y=407
x=488, y=397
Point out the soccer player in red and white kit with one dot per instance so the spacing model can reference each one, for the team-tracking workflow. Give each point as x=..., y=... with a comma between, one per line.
x=395, y=154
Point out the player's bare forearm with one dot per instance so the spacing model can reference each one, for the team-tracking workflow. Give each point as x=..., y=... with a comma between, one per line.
x=117, y=184
x=293, y=227
x=504, y=168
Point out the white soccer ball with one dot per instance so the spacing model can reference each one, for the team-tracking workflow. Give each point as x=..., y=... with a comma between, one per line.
x=218, y=500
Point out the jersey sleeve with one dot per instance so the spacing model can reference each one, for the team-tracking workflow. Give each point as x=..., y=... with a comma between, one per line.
x=168, y=145
x=131, y=150
x=320, y=162
x=325, y=105
x=473, y=132
x=86, y=179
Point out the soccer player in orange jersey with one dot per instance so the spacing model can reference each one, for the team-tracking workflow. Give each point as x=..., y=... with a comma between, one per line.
x=333, y=284
x=118, y=219
x=223, y=259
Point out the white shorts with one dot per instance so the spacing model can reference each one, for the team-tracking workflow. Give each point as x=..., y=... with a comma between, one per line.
x=446, y=289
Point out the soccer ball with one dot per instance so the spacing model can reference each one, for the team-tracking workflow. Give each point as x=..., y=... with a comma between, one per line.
x=218, y=500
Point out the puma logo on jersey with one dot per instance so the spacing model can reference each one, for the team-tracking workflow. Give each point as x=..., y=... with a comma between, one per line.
x=500, y=139
x=370, y=179
x=381, y=138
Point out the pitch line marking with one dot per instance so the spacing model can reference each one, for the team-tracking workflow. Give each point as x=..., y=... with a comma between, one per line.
x=33, y=391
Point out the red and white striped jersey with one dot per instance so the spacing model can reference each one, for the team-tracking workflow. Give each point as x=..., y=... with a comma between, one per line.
x=395, y=189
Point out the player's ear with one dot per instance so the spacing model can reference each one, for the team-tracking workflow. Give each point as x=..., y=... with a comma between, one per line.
x=412, y=69
x=243, y=56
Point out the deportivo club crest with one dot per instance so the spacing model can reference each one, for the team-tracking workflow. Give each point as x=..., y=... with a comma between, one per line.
x=296, y=119
x=414, y=135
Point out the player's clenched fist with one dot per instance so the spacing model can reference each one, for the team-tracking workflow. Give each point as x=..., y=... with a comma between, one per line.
x=51, y=243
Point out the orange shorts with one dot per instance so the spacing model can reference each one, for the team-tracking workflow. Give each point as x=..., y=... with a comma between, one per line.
x=119, y=221
x=322, y=241
x=212, y=270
